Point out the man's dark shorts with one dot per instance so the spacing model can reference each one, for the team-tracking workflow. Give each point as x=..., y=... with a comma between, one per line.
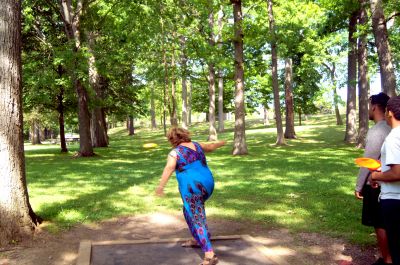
x=371, y=211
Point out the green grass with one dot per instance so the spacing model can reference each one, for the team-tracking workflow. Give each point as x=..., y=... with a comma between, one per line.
x=305, y=186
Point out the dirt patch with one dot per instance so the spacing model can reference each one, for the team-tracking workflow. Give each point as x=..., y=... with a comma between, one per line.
x=299, y=249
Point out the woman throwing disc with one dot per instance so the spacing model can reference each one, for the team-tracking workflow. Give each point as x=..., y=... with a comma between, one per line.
x=196, y=184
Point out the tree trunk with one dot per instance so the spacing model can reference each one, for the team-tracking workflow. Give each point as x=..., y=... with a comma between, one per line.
x=173, y=113
x=289, y=130
x=60, y=109
x=351, y=131
x=17, y=217
x=131, y=128
x=363, y=117
x=85, y=140
x=35, y=132
x=240, y=146
x=212, y=132
x=332, y=73
x=190, y=104
x=275, y=86
x=266, y=119
x=165, y=90
x=184, y=84
x=98, y=125
x=335, y=102
x=388, y=78
x=221, y=125
x=299, y=116
x=152, y=109
x=71, y=18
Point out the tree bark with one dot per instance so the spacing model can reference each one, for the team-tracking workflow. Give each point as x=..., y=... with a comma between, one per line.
x=388, y=78
x=85, y=140
x=240, y=146
x=289, y=130
x=363, y=117
x=266, y=119
x=299, y=116
x=165, y=90
x=71, y=18
x=351, y=131
x=35, y=131
x=332, y=73
x=60, y=109
x=212, y=132
x=339, y=120
x=131, y=126
x=98, y=125
x=221, y=123
x=190, y=104
x=184, y=84
x=17, y=217
x=275, y=86
x=152, y=108
x=173, y=113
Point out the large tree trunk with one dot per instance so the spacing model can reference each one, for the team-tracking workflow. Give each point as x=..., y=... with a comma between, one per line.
x=275, y=86
x=85, y=140
x=212, y=132
x=17, y=220
x=184, y=84
x=289, y=130
x=351, y=131
x=240, y=146
x=60, y=109
x=71, y=18
x=363, y=117
x=98, y=125
x=221, y=125
x=388, y=78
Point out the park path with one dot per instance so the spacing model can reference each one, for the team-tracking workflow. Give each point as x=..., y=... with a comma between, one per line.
x=281, y=246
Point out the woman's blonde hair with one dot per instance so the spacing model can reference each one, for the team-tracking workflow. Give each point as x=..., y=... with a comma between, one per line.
x=176, y=136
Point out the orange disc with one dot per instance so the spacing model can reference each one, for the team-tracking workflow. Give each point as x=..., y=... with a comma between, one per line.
x=369, y=163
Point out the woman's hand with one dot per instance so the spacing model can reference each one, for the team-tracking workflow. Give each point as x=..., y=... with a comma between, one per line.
x=160, y=191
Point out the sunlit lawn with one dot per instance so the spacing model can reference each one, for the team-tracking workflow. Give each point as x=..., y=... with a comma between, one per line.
x=304, y=186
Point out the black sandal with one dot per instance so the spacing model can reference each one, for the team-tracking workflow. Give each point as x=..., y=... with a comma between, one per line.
x=210, y=261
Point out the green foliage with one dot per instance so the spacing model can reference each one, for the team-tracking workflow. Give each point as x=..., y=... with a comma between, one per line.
x=131, y=38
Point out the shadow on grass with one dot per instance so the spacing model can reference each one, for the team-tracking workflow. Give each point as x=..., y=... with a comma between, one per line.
x=304, y=186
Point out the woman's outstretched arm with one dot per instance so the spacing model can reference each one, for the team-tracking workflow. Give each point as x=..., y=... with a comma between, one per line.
x=167, y=172
x=211, y=146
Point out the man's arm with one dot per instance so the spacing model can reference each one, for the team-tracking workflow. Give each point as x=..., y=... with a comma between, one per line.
x=393, y=174
x=374, y=141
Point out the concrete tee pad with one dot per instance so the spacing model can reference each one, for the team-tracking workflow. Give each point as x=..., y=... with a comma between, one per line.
x=231, y=250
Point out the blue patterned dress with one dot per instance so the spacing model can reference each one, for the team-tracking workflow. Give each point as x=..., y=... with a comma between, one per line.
x=196, y=184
